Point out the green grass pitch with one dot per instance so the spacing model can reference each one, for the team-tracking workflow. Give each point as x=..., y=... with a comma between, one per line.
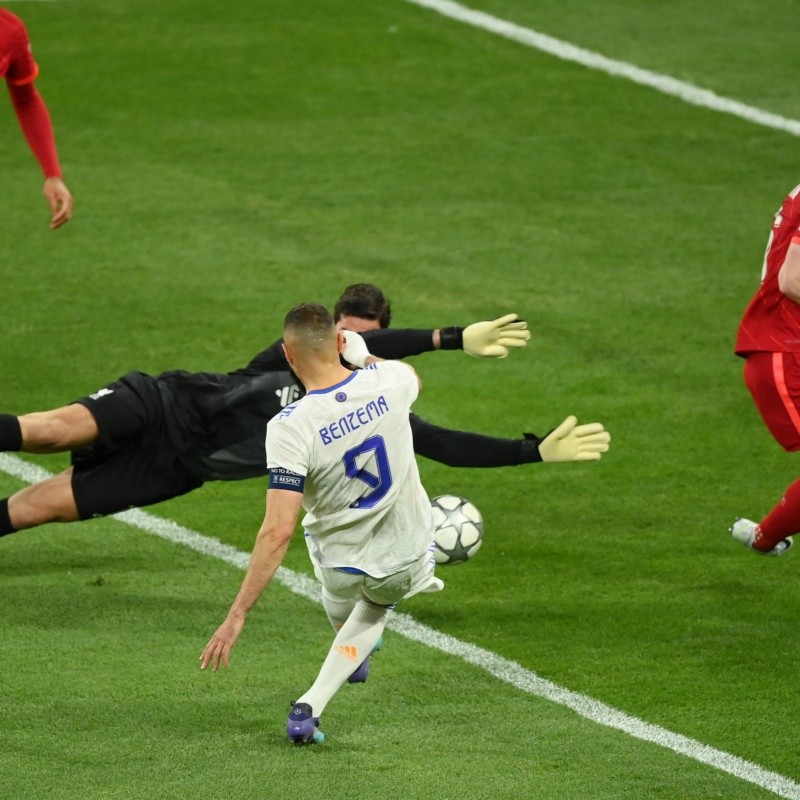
x=229, y=161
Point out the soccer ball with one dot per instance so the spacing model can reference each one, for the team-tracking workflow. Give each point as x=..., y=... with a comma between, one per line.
x=457, y=529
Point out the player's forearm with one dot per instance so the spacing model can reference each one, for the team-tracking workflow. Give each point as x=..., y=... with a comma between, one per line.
x=789, y=284
x=271, y=545
x=789, y=273
x=793, y=294
x=487, y=339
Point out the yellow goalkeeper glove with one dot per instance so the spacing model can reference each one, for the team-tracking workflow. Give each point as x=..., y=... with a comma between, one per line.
x=573, y=442
x=493, y=338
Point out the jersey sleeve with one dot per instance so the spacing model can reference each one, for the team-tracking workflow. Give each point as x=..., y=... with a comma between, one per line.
x=34, y=119
x=403, y=375
x=466, y=449
x=398, y=343
x=22, y=68
x=287, y=454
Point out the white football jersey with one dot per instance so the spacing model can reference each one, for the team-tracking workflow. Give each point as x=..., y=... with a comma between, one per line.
x=349, y=449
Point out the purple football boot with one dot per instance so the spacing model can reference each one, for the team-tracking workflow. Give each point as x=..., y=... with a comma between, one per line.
x=302, y=726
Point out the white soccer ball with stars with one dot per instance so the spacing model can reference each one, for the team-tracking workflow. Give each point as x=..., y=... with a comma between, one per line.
x=457, y=529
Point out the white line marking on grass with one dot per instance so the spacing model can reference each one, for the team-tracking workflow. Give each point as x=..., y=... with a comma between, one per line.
x=501, y=668
x=588, y=58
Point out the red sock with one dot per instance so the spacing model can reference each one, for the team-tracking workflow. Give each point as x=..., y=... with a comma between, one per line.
x=782, y=521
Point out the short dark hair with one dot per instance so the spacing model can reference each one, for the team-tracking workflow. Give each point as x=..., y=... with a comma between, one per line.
x=311, y=322
x=364, y=300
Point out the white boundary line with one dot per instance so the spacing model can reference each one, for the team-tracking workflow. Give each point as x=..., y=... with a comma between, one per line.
x=501, y=668
x=587, y=58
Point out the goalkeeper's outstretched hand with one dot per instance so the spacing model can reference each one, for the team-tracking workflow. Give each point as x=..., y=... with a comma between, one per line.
x=492, y=339
x=573, y=442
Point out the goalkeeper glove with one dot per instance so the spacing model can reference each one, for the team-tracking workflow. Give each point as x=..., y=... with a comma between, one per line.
x=490, y=339
x=573, y=442
x=355, y=350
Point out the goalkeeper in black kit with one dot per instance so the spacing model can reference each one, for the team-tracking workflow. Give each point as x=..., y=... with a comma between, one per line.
x=143, y=439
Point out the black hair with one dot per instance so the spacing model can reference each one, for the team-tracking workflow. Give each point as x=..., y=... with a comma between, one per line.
x=364, y=300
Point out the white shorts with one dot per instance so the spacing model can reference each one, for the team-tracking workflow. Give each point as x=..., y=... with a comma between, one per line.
x=415, y=578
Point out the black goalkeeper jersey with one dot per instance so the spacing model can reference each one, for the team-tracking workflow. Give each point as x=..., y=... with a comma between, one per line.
x=218, y=422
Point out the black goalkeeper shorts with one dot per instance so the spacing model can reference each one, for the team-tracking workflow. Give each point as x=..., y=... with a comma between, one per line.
x=133, y=462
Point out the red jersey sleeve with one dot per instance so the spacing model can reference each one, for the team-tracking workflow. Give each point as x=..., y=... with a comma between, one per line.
x=17, y=64
x=34, y=119
x=19, y=69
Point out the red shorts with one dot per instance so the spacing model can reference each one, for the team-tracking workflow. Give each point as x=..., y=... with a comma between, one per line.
x=774, y=381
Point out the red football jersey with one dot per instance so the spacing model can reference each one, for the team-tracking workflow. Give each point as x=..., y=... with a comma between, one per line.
x=772, y=321
x=16, y=60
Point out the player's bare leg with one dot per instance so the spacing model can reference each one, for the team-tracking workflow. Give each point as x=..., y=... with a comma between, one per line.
x=51, y=500
x=66, y=428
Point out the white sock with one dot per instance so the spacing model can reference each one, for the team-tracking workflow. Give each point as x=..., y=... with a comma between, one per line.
x=352, y=645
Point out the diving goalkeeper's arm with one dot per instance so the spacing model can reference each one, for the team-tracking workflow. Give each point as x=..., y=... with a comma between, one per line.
x=568, y=442
x=487, y=339
x=465, y=449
